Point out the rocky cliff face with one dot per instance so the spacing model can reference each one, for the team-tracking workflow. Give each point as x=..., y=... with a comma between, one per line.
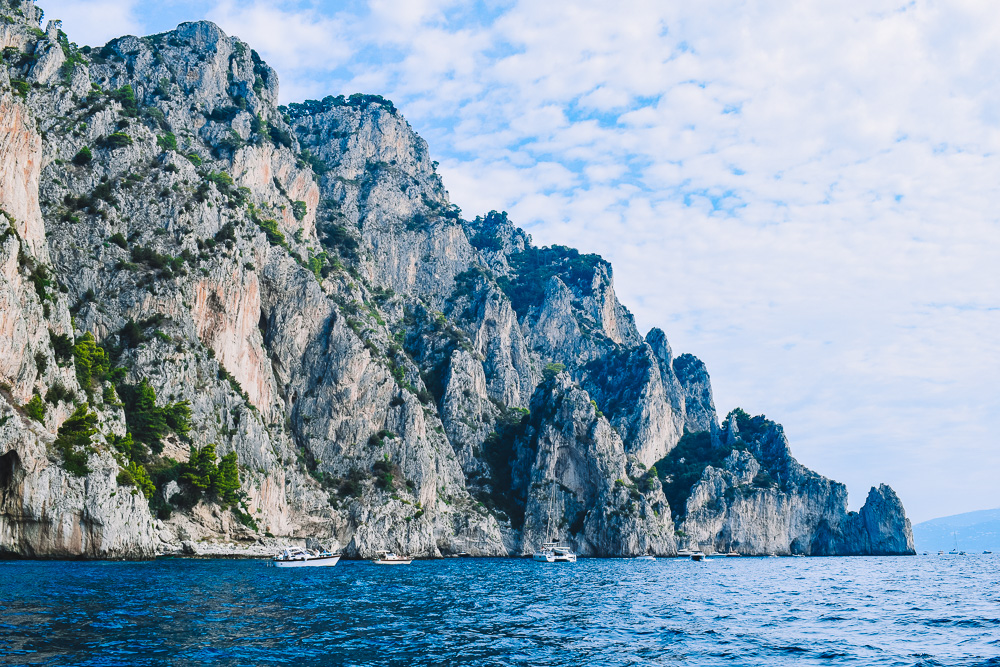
x=226, y=324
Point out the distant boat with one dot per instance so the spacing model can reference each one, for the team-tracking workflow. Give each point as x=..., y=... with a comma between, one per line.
x=732, y=554
x=298, y=557
x=389, y=558
x=684, y=553
x=553, y=553
x=697, y=556
x=798, y=555
x=772, y=555
x=645, y=557
x=987, y=552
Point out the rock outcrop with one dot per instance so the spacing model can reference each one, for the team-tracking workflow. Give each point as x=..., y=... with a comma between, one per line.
x=225, y=324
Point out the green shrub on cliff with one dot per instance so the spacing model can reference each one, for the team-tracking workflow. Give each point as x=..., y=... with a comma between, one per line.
x=74, y=440
x=204, y=477
x=552, y=370
x=35, y=408
x=83, y=157
x=116, y=140
x=91, y=360
x=147, y=422
x=134, y=474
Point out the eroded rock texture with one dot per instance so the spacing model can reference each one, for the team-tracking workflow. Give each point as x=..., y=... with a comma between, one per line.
x=386, y=373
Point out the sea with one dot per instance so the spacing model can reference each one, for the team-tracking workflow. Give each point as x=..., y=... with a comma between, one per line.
x=920, y=610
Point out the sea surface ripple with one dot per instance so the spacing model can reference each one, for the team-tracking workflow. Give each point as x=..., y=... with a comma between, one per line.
x=923, y=610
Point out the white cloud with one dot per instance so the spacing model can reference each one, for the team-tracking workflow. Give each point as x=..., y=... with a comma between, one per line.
x=94, y=22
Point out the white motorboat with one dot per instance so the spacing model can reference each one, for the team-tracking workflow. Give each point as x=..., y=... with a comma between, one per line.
x=645, y=557
x=733, y=554
x=389, y=558
x=298, y=557
x=684, y=553
x=553, y=553
x=698, y=556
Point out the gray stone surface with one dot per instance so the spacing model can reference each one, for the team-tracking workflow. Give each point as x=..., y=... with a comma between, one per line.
x=376, y=361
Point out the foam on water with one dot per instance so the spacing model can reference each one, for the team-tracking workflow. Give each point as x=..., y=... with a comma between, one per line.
x=925, y=610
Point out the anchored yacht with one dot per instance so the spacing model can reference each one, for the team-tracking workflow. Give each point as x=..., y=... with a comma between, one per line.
x=298, y=557
x=553, y=553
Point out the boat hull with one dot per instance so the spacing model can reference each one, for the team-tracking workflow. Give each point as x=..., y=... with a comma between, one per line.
x=392, y=562
x=322, y=561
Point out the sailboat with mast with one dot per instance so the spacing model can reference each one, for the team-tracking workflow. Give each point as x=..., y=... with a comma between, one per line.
x=552, y=552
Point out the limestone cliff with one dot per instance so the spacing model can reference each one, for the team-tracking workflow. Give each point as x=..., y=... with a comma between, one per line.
x=226, y=324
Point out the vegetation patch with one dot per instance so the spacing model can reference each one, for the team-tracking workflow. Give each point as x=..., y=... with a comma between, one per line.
x=116, y=140
x=35, y=408
x=74, y=440
x=535, y=266
x=92, y=364
x=360, y=101
x=83, y=156
x=149, y=423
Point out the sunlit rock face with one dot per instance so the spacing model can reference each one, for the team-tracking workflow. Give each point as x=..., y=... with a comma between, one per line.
x=386, y=372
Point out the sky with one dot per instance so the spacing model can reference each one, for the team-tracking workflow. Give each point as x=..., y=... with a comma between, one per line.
x=804, y=195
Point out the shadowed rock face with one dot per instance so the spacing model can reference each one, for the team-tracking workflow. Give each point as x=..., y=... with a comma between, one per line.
x=388, y=374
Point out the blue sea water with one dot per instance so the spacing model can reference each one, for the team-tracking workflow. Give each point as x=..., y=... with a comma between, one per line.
x=924, y=610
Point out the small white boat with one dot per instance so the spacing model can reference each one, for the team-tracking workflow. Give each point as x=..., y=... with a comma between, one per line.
x=732, y=554
x=772, y=555
x=389, y=558
x=298, y=557
x=645, y=557
x=697, y=556
x=553, y=553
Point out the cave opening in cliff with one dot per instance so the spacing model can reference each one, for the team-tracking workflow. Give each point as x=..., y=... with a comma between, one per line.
x=10, y=473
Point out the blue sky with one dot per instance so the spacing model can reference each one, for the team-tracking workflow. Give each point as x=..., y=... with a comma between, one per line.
x=801, y=194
